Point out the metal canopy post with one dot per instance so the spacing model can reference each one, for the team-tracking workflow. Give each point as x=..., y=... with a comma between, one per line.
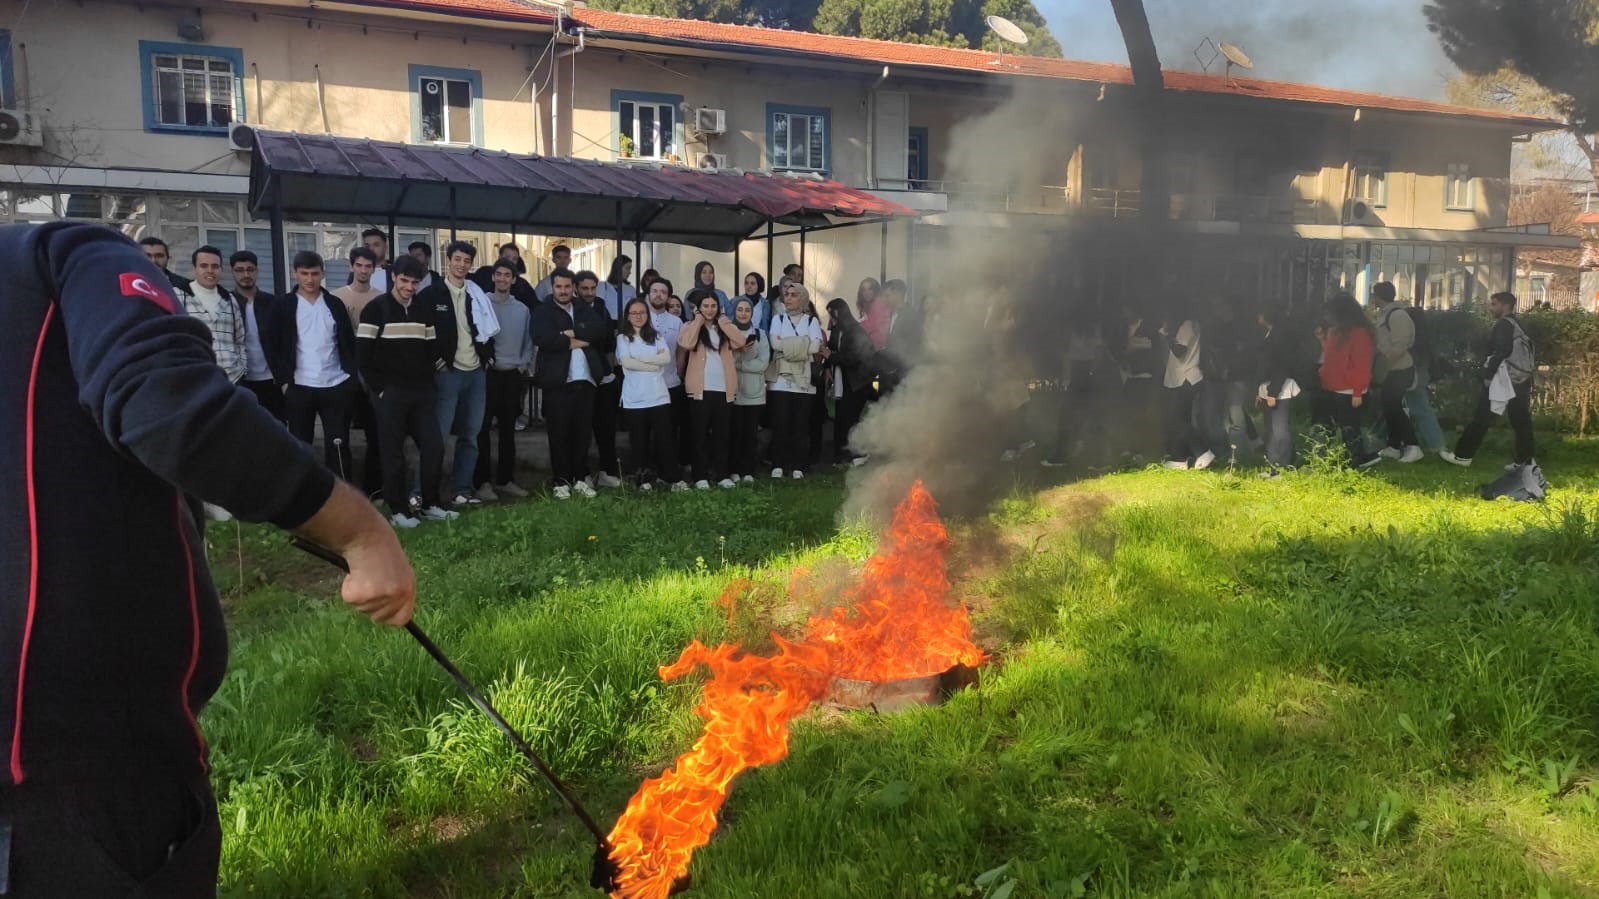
x=452, y=212
x=882, y=255
x=390, y=260
x=638, y=264
x=769, y=252
x=279, y=250
x=802, y=247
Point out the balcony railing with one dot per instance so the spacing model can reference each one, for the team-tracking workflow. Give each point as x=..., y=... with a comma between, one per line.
x=1107, y=202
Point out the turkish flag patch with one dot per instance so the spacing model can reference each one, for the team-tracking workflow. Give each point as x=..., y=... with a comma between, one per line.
x=137, y=285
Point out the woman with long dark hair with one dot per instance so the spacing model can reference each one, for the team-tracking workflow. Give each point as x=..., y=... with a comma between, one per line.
x=646, y=403
x=874, y=316
x=851, y=355
x=752, y=361
x=615, y=290
x=1348, y=344
x=711, y=381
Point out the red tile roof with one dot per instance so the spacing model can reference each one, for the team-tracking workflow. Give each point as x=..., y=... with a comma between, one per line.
x=866, y=50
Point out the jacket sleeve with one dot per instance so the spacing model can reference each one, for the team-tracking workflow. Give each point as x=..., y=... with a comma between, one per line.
x=735, y=337
x=545, y=334
x=146, y=377
x=366, y=347
x=1501, y=344
x=690, y=333
x=527, y=339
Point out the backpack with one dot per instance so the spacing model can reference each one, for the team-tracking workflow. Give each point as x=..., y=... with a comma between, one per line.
x=1524, y=484
x=1520, y=362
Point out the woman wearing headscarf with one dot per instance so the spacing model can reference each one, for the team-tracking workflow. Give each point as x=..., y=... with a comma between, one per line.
x=874, y=316
x=850, y=355
x=615, y=290
x=751, y=360
x=796, y=338
x=760, y=307
x=646, y=401
x=705, y=279
x=711, y=381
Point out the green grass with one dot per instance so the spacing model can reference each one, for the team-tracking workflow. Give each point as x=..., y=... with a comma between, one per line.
x=1202, y=685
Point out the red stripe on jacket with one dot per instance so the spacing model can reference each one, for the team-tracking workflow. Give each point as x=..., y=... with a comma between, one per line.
x=33, y=544
x=194, y=632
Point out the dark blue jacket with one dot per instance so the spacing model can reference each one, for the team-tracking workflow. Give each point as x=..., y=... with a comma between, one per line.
x=112, y=408
x=280, y=334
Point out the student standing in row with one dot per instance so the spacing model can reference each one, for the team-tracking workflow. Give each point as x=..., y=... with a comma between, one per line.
x=512, y=356
x=667, y=324
x=608, y=390
x=752, y=361
x=711, y=381
x=310, y=345
x=567, y=335
x=355, y=296
x=255, y=308
x=465, y=328
x=211, y=303
x=851, y=356
x=646, y=404
x=796, y=337
x=616, y=291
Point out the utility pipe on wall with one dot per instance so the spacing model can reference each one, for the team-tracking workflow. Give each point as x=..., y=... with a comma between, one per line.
x=871, y=128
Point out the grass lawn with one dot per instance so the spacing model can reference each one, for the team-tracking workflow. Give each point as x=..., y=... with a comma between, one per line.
x=1202, y=685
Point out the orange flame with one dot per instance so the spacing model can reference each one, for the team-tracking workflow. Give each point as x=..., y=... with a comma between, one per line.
x=894, y=625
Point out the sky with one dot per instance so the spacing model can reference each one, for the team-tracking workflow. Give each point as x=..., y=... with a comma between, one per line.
x=1373, y=45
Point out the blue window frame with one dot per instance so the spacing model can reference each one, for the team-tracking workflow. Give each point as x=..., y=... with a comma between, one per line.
x=446, y=105
x=191, y=88
x=652, y=122
x=799, y=138
x=8, y=85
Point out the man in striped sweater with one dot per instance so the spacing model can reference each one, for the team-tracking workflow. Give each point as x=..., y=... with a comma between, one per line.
x=112, y=408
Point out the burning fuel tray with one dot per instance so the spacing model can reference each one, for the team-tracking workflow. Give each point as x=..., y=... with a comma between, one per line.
x=893, y=696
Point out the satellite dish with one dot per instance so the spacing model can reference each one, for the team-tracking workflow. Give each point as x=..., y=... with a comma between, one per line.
x=1006, y=29
x=1236, y=56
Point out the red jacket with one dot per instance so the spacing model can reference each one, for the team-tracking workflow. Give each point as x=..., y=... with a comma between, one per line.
x=1347, y=365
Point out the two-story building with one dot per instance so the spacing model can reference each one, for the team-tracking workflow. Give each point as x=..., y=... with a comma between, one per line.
x=126, y=113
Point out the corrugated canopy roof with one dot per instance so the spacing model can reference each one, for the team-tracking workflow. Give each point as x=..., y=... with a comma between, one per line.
x=320, y=177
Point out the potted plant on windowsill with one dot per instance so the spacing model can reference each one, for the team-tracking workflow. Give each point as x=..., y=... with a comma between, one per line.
x=627, y=147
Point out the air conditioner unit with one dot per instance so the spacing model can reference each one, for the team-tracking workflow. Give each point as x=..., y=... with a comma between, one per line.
x=710, y=121
x=21, y=129
x=241, y=137
x=713, y=161
x=1361, y=212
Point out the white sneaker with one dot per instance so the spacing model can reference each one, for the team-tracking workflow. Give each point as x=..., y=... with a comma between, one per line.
x=1453, y=459
x=609, y=480
x=646, y=487
x=511, y=488
x=1205, y=461
x=486, y=493
x=217, y=513
x=1270, y=475
x=1176, y=465
x=1411, y=454
x=797, y=475
x=582, y=488
x=702, y=484
x=562, y=492
x=434, y=513
x=860, y=460
x=466, y=499
x=777, y=473
x=1389, y=452
x=748, y=479
x=727, y=483
x=402, y=520
x=680, y=487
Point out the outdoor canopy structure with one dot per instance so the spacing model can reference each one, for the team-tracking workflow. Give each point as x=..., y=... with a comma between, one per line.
x=321, y=177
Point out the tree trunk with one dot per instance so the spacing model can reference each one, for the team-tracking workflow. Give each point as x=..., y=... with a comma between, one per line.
x=1149, y=90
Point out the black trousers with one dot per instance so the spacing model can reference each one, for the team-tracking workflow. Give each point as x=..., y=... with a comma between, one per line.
x=569, y=422
x=681, y=429
x=709, y=418
x=847, y=412
x=148, y=836
x=1518, y=411
x=1401, y=432
x=269, y=394
x=502, y=404
x=816, y=422
x=745, y=424
x=304, y=405
x=409, y=412
x=790, y=428
x=607, y=409
x=363, y=415
x=653, y=443
x=1348, y=420
x=1183, y=441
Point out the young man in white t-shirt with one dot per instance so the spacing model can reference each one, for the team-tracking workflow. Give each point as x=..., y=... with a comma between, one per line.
x=1183, y=377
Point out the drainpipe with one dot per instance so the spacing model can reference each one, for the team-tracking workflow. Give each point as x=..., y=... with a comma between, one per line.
x=872, y=127
x=320, y=104
x=555, y=90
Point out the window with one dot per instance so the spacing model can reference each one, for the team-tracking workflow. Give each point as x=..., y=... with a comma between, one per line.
x=647, y=125
x=1371, y=178
x=8, y=87
x=446, y=106
x=191, y=88
x=916, y=158
x=1459, y=189
x=797, y=137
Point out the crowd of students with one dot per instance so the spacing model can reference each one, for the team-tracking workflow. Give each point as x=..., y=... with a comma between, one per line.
x=1360, y=370
x=410, y=353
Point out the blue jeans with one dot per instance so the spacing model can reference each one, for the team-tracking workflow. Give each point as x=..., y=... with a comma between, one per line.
x=1422, y=417
x=462, y=395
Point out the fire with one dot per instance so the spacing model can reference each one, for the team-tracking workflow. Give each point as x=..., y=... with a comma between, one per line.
x=894, y=624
